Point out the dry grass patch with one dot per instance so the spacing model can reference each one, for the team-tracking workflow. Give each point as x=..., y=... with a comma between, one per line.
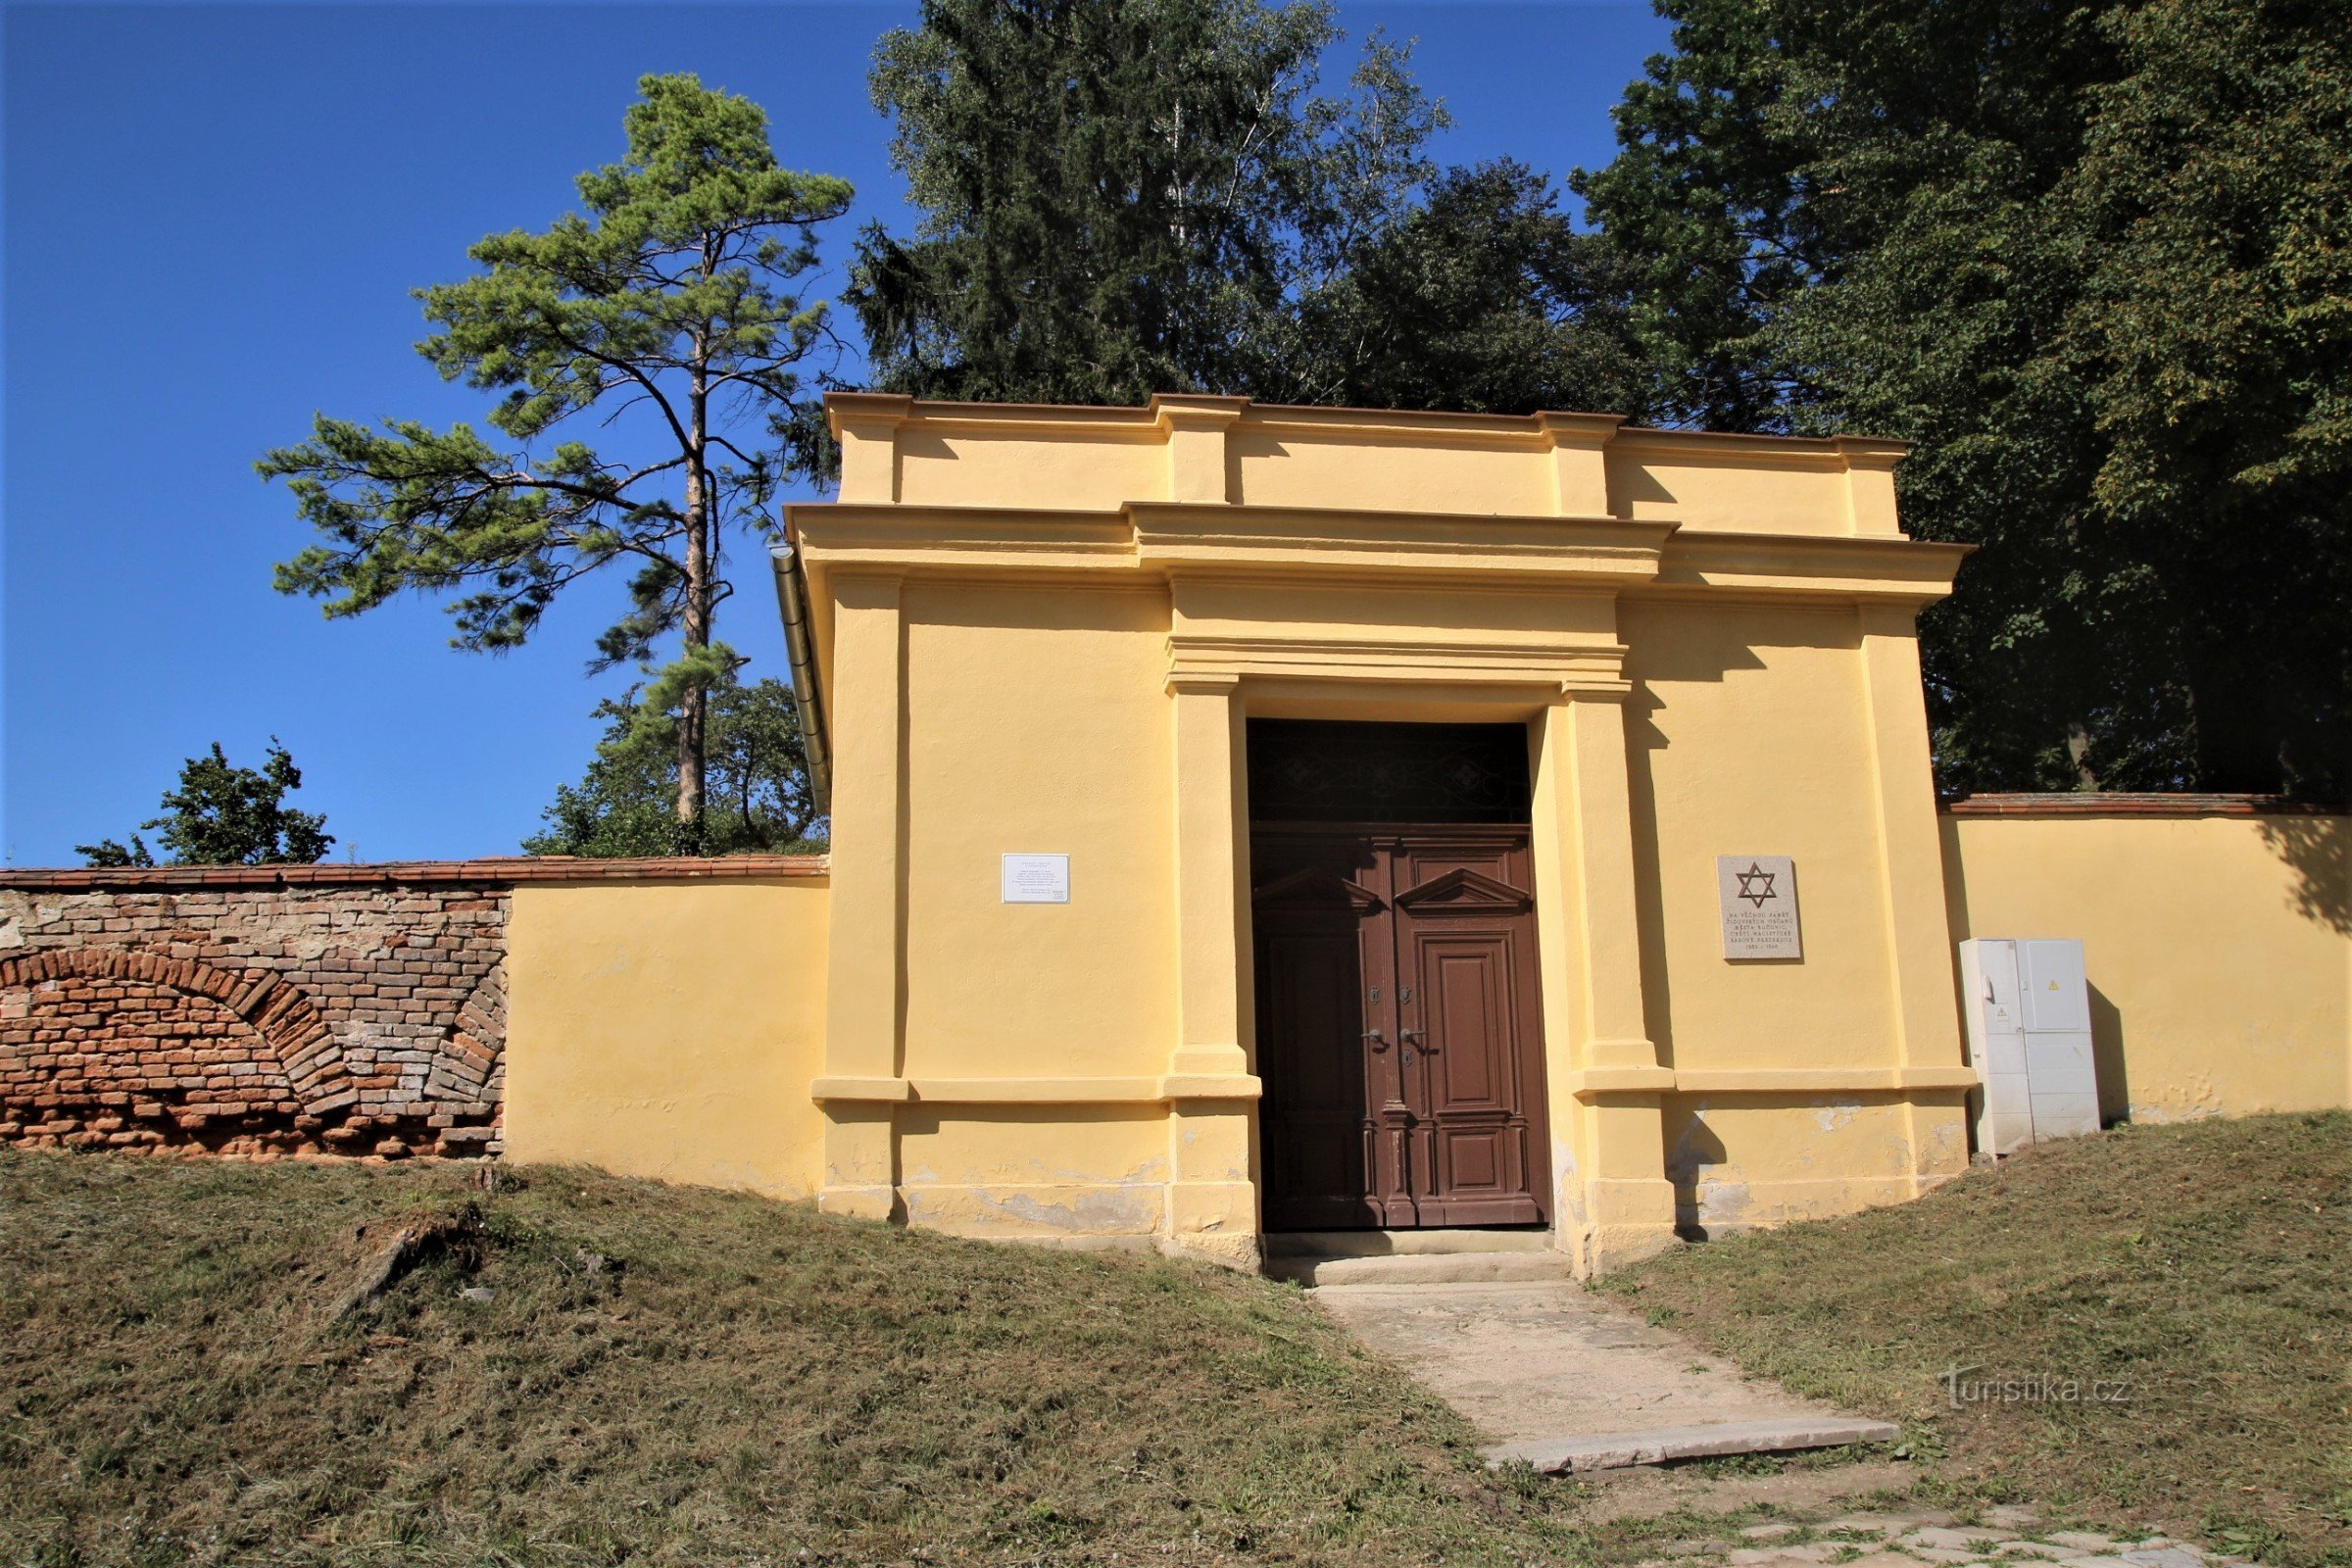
x=740, y=1380
x=2208, y=1267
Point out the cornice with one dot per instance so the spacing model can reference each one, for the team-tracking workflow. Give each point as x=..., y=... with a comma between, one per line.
x=1557, y=666
x=1337, y=547
x=1161, y=1088
x=1215, y=538
x=1718, y=562
x=1605, y=1083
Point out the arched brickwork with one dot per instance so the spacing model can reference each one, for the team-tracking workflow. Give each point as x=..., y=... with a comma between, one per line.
x=472, y=1057
x=283, y=1017
x=129, y=1047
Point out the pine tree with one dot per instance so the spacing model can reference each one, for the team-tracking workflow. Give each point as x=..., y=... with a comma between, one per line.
x=667, y=310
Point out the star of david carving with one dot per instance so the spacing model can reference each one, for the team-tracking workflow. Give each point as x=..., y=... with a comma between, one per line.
x=1748, y=885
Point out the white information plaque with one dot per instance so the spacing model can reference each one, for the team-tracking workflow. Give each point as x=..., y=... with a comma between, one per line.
x=1037, y=879
x=1758, y=896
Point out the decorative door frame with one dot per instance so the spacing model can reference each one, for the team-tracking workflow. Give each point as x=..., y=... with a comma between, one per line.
x=1241, y=648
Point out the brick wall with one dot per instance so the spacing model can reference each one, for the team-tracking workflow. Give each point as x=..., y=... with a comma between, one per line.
x=360, y=1020
x=355, y=1010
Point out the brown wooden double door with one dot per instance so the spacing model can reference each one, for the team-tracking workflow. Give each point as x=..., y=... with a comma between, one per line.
x=1398, y=1034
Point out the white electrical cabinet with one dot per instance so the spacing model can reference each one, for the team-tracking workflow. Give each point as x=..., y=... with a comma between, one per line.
x=2029, y=1037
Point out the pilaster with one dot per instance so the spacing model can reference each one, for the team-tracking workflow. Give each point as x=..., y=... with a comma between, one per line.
x=1196, y=428
x=1870, y=483
x=1212, y=1202
x=1918, y=939
x=863, y=990
x=1622, y=1204
x=1580, y=473
x=866, y=424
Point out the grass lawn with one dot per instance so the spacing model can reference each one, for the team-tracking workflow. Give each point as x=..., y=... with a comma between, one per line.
x=743, y=1381
x=2207, y=1266
x=761, y=1384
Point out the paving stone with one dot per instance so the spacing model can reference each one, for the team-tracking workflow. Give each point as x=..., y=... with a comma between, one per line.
x=1769, y=1532
x=2082, y=1541
x=1962, y=1539
x=2170, y=1555
x=2009, y=1516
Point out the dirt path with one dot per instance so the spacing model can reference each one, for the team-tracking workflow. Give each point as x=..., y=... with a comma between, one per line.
x=1568, y=1381
x=1578, y=1386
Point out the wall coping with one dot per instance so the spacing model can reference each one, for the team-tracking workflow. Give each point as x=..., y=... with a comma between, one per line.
x=2119, y=802
x=493, y=872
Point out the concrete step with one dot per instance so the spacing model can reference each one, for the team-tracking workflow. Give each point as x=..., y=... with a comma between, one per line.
x=1401, y=1244
x=1614, y=1450
x=1421, y=1268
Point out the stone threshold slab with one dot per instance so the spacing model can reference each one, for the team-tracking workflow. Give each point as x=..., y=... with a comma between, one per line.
x=1617, y=1451
x=1424, y=1268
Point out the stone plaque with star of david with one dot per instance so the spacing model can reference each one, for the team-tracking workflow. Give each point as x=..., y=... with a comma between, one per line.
x=1758, y=896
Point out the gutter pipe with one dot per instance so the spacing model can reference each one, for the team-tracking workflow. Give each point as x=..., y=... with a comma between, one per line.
x=792, y=597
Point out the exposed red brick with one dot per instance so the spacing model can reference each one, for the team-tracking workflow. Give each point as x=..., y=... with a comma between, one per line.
x=275, y=1014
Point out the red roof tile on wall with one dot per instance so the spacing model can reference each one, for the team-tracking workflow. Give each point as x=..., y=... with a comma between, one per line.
x=496, y=871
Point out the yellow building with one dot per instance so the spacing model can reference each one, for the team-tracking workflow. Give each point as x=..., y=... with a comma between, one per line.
x=1253, y=819
x=1051, y=633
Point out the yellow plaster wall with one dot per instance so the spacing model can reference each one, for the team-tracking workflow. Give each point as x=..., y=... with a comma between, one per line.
x=1037, y=724
x=668, y=1029
x=1748, y=732
x=2219, y=949
x=1079, y=469
x=1291, y=468
x=1675, y=481
x=1035, y=1171
x=1739, y=1161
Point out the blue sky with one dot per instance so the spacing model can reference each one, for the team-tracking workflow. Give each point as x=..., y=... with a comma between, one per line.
x=212, y=217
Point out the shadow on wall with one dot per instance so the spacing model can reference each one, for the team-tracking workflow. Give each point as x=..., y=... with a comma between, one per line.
x=2318, y=849
x=2107, y=1059
x=1694, y=1149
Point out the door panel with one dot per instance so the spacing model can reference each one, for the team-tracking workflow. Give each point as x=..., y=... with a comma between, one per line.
x=1309, y=1012
x=1482, y=1068
x=1398, y=1033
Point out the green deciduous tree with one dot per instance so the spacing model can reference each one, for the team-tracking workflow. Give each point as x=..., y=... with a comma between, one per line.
x=1123, y=197
x=758, y=797
x=226, y=816
x=2091, y=258
x=1482, y=299
x=668, y=308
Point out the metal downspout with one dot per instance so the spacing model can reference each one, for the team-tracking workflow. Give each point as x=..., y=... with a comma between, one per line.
x=792, y=596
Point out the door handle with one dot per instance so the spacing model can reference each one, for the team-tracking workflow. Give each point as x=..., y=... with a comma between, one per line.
x=1374, y=1035
x=1411, y=1037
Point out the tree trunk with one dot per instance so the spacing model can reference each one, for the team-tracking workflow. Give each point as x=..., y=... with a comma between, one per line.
x=695, y=625
x=694, y=706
